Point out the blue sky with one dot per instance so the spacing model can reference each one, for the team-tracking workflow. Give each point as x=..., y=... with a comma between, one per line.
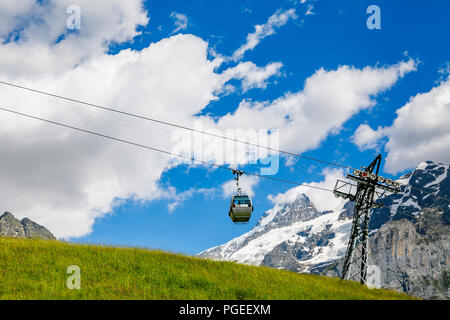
x=333, y=36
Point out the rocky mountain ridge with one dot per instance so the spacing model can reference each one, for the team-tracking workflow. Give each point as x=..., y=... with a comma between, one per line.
x=25, y=228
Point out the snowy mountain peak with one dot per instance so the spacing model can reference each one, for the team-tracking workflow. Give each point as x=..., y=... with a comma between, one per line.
x=287, y=212
x=429, y=176
x=431, y=171
x=427, y=165
x=297, y=223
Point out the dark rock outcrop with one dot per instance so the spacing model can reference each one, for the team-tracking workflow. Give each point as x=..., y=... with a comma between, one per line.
x=11, y=227
x=14, y=228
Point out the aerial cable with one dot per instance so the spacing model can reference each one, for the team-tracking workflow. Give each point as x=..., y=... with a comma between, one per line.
x=188, y=158
x=188, y=128
x=160, y=150
x=171, y=124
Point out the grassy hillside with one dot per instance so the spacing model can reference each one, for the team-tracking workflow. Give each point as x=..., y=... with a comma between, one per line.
x=36, y=269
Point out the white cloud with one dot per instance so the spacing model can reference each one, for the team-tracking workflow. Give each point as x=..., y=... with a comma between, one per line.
x=367, y=138
x=445, y=69
x=246, y=182
x=420, y=132
x=251, y=75
x=178, y=198
x=305, y=118
x=12, y=14
x=444, y=72
x=327, y=101
x=181, y=21
x=322, y=200
x=277, y=20
x=40, y=26
x=309, y=10
x=66, y=179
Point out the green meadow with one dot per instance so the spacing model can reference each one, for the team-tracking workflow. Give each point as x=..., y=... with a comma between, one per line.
x=37, y=269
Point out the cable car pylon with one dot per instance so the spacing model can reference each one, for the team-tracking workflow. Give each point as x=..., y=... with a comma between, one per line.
x=366, y=194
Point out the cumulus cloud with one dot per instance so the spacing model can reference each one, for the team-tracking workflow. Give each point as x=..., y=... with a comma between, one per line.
x=367, y=138
x=247, y=184
x=327, y=101
x=40, y=27
x=12, y=14
x=65, y=179
x=277, y=20
x=251, y=75
x=321, y=199
x=304, y=119
x=180, y=21
x=420, y=132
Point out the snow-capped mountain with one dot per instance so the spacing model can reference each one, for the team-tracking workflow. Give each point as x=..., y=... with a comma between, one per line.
x=293, y=236
x=298, y=237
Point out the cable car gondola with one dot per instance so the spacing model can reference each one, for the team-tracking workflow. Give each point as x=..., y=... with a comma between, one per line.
x=241, y=206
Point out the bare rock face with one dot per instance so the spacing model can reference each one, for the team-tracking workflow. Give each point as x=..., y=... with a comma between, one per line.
x=412, y=257
x=416, y=261
x=34, y=230
x=11, y=227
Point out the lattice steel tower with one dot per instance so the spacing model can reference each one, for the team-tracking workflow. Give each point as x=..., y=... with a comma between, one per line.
x=366, y=195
